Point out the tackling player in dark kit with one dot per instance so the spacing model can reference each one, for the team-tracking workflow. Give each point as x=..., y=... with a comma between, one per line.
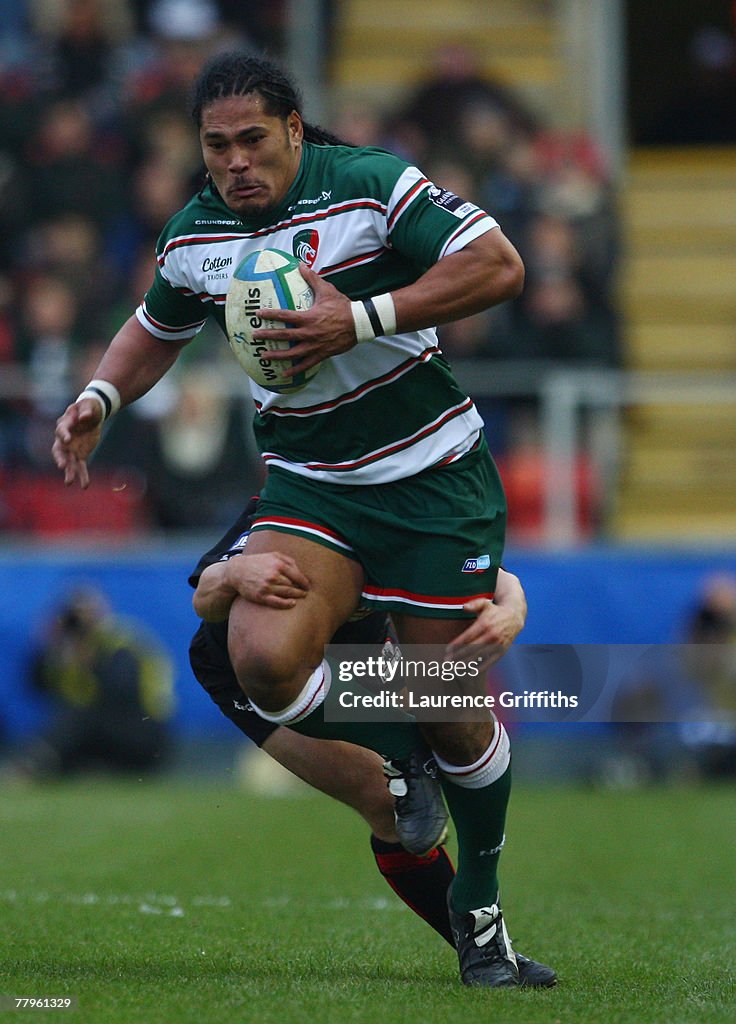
x=380, y=485
x=345, y=771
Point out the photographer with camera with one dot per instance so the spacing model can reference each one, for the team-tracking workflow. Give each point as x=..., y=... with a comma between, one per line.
x=112, y=687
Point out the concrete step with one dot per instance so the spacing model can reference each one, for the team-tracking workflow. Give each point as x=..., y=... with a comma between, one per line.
x=674, y=526
x=664, y=308
x=685, y=425
x=441, y=17
x=678, y=476
x=392, y=33
x=649, y=465
x=385, y=47
x=681, y=346
x=705, y=277
x=665, y=168
x=681, y=221
x=382, y=74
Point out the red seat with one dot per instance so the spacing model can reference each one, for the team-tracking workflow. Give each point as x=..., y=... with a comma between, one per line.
x=39, y=503
x=524, y=479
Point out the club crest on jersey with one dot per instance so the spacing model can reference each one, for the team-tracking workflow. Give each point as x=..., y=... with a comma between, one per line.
x=305, y=246
x=479, y=564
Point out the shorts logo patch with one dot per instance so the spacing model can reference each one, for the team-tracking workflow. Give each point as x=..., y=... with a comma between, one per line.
x=479, y=564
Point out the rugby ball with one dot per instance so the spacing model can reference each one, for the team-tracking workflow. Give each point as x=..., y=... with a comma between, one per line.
x=265, y=279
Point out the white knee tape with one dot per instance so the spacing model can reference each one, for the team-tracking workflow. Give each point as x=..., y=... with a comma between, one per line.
x=312, y=696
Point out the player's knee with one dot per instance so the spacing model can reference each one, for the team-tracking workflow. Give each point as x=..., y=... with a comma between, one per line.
x=270, y=678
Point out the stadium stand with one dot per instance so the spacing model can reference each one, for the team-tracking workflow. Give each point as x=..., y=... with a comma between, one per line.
x=679, y=213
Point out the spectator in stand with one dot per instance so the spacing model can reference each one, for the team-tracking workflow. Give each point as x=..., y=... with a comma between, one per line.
x=8, y=352
x=78, y=43
x=574, y=188
x=182, y=33
x=551, y=194
x=486, y=134
x=49, y=317
x=11, y=409
x=167, y=140
x=557, y=325
x=68, y=247
x=469, y=338
x=431, y=118
x=510, y=186
x=15, y=39
x=199, y=457
x=360, y=124
x=20, y=106
x=159, y=189
x=67, y=169
x=558, y=318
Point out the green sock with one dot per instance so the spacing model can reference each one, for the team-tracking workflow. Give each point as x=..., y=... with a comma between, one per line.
x=479, y=816
x=393, y=734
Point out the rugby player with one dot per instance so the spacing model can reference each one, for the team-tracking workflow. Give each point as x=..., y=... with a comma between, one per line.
x=380, y=485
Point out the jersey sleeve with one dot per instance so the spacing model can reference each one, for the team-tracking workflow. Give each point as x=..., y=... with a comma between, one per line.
x=426, y=222
x=169, y=313
x=422, y=221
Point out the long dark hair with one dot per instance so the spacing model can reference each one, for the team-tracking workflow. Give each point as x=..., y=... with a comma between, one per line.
x=237, y=74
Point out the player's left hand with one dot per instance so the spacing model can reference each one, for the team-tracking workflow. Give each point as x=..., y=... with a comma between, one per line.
x=325, y=330
x=496, y=626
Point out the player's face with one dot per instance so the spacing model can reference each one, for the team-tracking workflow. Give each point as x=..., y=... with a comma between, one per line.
x=252, y=156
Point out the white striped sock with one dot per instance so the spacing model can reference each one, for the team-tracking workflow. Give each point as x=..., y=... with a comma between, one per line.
x=489, y=767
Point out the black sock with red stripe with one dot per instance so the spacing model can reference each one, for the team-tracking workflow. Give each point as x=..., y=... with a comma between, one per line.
x=421, y=882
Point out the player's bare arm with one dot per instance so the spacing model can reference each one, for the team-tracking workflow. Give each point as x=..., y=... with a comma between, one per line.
x=132, y=364
x=272, y=579
x=497, y=623
x=486, y=272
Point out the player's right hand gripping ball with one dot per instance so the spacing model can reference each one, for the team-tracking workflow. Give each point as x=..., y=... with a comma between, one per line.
x=266, y=279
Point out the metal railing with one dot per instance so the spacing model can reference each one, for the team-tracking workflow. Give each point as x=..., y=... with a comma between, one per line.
x=577, y=410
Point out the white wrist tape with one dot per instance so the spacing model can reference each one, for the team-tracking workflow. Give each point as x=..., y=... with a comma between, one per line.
x=374, y=317
x=106, y=394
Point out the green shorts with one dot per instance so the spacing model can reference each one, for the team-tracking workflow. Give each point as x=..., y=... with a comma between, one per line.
x=427, y=544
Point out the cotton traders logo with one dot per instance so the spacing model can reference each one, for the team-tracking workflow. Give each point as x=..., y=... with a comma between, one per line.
x=212, y=263
x=305, y=246
x=479, y=564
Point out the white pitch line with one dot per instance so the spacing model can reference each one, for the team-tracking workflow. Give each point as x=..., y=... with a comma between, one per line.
x=165, y=904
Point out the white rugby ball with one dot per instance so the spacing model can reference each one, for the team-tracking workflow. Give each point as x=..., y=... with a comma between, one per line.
x=265, y=279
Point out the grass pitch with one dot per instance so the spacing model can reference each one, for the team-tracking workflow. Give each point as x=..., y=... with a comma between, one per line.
x=171, y=903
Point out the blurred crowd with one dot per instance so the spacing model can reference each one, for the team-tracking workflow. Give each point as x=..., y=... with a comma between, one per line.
x=97, y=150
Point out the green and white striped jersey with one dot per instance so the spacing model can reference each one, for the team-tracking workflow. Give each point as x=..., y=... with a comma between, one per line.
x=369, y=223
